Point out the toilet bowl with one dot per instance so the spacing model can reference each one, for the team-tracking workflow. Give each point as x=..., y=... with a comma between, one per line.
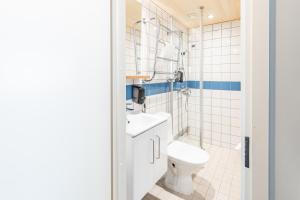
x=183, y=161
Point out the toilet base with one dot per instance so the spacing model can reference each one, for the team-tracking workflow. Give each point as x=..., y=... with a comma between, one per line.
x=179, y=179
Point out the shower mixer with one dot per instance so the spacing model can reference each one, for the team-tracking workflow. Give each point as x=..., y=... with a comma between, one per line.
x=179, y=76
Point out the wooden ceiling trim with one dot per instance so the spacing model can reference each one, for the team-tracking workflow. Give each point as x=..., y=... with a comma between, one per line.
x=223, y=10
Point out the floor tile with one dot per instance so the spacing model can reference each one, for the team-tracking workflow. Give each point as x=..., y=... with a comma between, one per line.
x=220, y=179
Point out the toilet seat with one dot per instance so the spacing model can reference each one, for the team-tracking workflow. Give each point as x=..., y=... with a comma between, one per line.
x=189, y=154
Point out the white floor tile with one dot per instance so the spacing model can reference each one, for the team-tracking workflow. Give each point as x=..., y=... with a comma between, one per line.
x=220, y=179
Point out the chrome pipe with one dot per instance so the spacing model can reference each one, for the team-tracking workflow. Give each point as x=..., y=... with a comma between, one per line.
x=201, y=81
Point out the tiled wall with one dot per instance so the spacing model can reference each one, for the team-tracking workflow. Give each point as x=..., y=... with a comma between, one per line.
x=221, y=74
x=129, y=52
x=158, y=97
x=221, y=66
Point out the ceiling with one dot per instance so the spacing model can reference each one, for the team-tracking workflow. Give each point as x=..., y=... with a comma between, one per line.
x=133, y=12
x=187, y=12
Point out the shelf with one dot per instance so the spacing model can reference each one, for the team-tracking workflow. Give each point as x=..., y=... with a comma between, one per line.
x=143, y=77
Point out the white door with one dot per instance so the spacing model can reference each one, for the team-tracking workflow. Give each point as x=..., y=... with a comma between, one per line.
x=255, y=90
x=161, y=157
x=55, y=100
x=144, y=161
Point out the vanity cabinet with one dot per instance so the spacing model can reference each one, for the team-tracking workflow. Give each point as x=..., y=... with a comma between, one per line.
x=161, y=154
x=146, y=161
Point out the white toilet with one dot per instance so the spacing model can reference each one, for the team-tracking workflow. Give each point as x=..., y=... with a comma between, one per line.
x=183, y=161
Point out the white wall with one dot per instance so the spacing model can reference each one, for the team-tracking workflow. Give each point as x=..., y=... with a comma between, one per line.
x=285, y=124
x=221, y=62
x=54, y=100
x=158, y=102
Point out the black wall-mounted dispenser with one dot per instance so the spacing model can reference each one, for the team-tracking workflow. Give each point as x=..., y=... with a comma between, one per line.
x=138, y=94
x=179, y=76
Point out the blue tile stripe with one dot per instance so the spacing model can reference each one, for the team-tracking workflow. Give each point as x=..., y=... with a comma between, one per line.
x=128, y=92
x=222, y=85
x=194, y=84
x=159, y=88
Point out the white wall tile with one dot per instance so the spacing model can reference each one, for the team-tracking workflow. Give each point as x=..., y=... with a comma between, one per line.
x=226, y=25
x=235, y=76
x=217, y=26
x=217, y=34
x=235, y=67
x=226, y=42
x=235, y=41
x=217, y=43
x=235, y=23
x=207, y=28
x=226, y=129
x=235, y=49
x=235, y=59
x=235, y=31
x=221, y=109
x=226, y=111
x=226, y=33
x=226, y=50
x=207, y=36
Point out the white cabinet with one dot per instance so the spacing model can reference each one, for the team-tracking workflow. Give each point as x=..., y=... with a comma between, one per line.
x=143, y=147
x=147, y=160
x=161, y=142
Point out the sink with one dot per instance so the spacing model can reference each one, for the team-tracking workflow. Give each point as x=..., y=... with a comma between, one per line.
x=139, y=123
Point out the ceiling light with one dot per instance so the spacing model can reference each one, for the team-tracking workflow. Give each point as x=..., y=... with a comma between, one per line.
x=210, y=16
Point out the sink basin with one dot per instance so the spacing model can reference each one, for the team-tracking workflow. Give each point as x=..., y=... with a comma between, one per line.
x=139, y=123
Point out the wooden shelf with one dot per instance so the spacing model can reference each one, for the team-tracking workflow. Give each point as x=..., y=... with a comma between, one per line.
x=143, y=77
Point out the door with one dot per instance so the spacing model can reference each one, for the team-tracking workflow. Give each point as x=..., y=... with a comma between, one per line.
x=161, y=157
x=255, y=97
x=144, y=161
x=55, y=100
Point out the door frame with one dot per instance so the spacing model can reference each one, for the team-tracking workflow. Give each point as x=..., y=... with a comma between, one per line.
x=118, y=96
x=255, y=98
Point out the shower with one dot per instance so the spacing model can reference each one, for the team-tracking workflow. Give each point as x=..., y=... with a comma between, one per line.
x=175, y=58
x=167, y=52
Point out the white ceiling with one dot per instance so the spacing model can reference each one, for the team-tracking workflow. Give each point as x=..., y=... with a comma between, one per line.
x=222, y=10
x=133, y=12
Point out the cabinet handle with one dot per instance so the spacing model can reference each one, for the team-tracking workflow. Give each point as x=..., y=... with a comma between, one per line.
x=153, y=147
x=158, y=147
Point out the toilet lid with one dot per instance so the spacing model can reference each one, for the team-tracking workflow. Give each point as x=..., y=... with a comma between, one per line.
x=187, y=153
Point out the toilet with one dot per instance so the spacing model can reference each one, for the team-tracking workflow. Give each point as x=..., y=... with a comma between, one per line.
x=183, y=161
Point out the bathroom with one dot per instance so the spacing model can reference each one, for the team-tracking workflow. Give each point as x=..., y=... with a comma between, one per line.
x=149, y=100
x=183, y=63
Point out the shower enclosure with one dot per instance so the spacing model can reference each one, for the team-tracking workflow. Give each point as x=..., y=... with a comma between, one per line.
x=193, y=73
x=161, y=50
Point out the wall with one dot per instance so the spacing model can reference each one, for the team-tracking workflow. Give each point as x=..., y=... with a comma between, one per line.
x=221, y=76
x=285, y=98
x=157, y=91
x=55, y=123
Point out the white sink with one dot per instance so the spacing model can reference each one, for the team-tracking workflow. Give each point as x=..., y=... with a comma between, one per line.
x=139, y=123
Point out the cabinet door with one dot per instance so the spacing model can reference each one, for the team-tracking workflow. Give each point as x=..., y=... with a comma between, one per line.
x=143, y=168
x=161, y=156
